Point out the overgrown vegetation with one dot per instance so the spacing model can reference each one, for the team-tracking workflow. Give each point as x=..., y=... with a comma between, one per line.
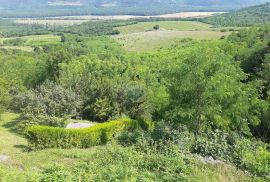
x=194, y=108
x=257, y=15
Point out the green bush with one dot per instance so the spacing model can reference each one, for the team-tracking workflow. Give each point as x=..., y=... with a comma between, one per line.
x=41, y=137
x=217, y=144
x=14, y=42
x=55, y=173
x=247, y=154
x=258, y=162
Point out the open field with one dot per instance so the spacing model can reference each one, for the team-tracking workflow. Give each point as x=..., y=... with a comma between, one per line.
x=50, y=22
x=153, y=40
x=164, y=25
x=142, y=37
x=33, y=40
x=22, y=48
x=75, y=20
x=188, y=15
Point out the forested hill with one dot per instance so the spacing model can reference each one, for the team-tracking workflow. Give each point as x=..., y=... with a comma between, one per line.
x=13, y=8
x=254, y=15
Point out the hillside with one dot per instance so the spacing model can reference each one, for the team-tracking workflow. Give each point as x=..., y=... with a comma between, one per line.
x=255, y=15
x=21, y=8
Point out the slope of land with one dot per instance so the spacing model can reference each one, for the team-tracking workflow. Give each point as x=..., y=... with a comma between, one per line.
x=30, y=8
x=19, y=165
x=142, y=36
x=255, y=15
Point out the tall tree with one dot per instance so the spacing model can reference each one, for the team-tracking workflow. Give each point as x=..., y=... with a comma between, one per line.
x=206, y=89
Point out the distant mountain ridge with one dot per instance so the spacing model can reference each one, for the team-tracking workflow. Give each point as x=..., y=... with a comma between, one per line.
x=255, y=15
x=108, y=7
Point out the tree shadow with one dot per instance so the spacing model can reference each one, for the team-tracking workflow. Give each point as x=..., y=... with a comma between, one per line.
x=20, y=146
x=13, y=125
x=24, y=148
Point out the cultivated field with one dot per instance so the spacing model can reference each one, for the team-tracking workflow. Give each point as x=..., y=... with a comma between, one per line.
x=50, y=22
x=75, y=20
x=153, y=40
x=165, y=25
x=142, y=36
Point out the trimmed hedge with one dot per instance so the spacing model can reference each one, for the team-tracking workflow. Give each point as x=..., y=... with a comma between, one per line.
x=42, y=137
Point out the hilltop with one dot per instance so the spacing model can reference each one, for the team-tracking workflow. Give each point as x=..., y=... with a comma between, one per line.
x=20, y=8
x=255, y=15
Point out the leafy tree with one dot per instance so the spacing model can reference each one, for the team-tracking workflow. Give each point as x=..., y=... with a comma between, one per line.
x=206, y=89
x=50, y=100
x=156, y=27
x=4, y=96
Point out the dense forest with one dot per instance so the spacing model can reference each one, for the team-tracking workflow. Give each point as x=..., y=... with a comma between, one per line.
x=154, y=112
x=256, y=15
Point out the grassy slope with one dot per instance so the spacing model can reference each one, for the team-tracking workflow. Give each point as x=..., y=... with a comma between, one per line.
x=164, y=25
x=142, y=38
x=31, y=41
x=153, y=40
x=22, y=165
x=22, y=48
x=255, y=15
x=36, y=39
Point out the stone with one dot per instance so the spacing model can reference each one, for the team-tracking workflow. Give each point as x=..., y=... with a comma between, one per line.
x=79, y=125
x=4, y=158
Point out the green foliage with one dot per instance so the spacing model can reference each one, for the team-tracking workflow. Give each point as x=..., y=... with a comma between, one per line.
x=14, y=42
x=217, y=144
x=54, y=173
x=41, y=137
x=206, y=90
x=258, y=162
x=256, y=15
x=156, y=27
x=48, y=100
x=97, y=27
x=44, y=8
x=247, y=154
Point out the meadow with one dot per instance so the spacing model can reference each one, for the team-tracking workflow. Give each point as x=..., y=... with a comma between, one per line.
x=75, y=20
x=50, y=22
x=29, y=42
x=154, y=40
x=143, y=38
x=164, y=25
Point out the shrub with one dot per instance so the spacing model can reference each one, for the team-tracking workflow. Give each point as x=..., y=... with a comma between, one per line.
x=161, y=135
x=55, y=173
x=156, y=27
x=247, y=154
x=41, y=137
x=258, y=162
x=217, y=144
x=14, y=42
x=26, y=120
x=115, y=163
x=48, y=99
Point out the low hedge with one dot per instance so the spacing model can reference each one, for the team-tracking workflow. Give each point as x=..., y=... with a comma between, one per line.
x=42, y=137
